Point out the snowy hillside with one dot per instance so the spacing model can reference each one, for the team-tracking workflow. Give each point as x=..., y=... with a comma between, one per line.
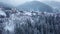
x=31, y=23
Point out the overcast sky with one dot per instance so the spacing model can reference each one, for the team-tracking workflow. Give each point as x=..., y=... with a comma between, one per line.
x=17, y=2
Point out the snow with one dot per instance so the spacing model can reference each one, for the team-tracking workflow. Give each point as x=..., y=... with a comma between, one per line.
x=28, y=13
x=2, y=13
x=9, y=26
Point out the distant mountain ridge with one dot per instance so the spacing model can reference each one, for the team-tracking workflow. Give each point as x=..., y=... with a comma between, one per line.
x=35, y=5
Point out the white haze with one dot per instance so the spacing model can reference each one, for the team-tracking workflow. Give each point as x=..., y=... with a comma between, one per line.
x=18, y=2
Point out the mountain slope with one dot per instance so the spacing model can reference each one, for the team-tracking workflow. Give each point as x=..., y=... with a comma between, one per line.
x=35, y=5
x=53, y=4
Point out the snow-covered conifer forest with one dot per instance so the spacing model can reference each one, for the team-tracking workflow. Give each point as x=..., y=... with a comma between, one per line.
x=23, y=22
